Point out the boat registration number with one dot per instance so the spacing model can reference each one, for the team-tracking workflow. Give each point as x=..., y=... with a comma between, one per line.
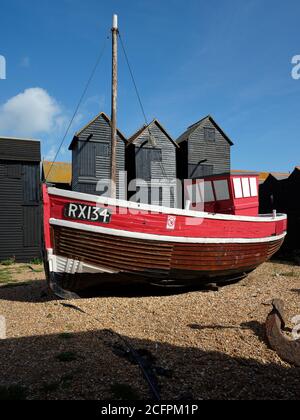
x=88, y=213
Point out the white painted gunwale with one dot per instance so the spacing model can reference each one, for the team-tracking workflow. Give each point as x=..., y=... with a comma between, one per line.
x=162, y=210
x=161, y=238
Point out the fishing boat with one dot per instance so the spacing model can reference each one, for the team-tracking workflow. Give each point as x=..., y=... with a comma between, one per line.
x=89, y=239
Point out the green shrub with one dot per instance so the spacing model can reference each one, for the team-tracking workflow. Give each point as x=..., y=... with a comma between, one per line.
x=10, y=261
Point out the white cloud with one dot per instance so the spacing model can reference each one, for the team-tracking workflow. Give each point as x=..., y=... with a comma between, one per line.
x=35, y=113
x=31, y=113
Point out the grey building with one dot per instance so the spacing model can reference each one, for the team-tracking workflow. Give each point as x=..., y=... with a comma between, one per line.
x=20, y=212
x=204, y=150
x=91, y=157
x=151, y=157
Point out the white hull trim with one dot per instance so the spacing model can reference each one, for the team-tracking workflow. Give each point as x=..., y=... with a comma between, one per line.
x=161, y=238
x=62, y=265
x=157, y=209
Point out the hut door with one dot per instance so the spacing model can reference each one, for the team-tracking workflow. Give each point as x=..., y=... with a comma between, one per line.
x=31, y=206
x=147, y=170
x=144, y=159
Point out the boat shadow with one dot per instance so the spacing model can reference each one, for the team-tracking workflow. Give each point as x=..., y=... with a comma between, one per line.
x=112, y=286
x=38, y=292
x=284, y=260
x=35, y=291
x=139, y=290
x=98, y=365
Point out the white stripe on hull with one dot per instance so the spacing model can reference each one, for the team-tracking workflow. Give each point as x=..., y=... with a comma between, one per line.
x=161, y=238
x=158, y=209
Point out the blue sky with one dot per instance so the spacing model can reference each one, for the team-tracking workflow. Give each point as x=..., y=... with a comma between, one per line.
x=230, y=59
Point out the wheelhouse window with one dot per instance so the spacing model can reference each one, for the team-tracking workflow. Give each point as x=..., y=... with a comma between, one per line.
x=253, y=187
x=221, y=190
x=209, y=134
x=238, y=192
x=245, y=187
x=208, y=192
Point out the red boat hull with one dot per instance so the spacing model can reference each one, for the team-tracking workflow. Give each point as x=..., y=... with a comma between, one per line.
x=167, y=247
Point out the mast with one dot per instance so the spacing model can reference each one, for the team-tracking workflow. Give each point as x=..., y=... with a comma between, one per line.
x=114, y=107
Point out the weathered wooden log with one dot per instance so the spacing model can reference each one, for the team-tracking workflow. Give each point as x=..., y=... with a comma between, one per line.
x=286, y=348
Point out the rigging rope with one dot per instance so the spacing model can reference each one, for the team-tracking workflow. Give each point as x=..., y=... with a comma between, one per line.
x=140, y=101
x=133, y=79
x=79, y=103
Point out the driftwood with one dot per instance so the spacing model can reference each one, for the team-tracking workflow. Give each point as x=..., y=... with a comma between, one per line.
x=286, y=348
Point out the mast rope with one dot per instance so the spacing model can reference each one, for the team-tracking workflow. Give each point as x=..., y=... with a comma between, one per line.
x=79, y=103
x=141, y=105
x=133, y=79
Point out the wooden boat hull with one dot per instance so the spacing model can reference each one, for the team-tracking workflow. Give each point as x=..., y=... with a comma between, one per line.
x=115, y=259
x=194, y=249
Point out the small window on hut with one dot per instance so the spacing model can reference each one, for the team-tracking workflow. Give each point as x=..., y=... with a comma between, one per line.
x=209, y=134
x=200, y=170
x=103, y=149
x=157, y=155
x=145, y=157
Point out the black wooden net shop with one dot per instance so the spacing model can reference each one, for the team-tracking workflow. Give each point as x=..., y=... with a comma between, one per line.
x=20, y=226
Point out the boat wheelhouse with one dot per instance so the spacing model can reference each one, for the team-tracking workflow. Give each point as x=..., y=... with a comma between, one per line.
x=225, y=194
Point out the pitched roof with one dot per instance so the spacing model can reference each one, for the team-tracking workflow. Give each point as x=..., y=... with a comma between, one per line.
x=57, y=173
x=295, y=173
x=136, y=135
x=279, y=175
x=107, y=119
x=19, y=139
x=262, y=175
x=185, y=136
x=20, y=149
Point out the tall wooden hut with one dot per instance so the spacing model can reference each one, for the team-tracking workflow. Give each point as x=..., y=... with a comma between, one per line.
x=272, y=193
x=292, y=198
x=280, y=192
x=151, y=158
x=20, y=224
x=204, y=150
x=91, y=157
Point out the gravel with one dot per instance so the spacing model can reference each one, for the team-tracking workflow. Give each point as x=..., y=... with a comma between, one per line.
x=196, y=344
